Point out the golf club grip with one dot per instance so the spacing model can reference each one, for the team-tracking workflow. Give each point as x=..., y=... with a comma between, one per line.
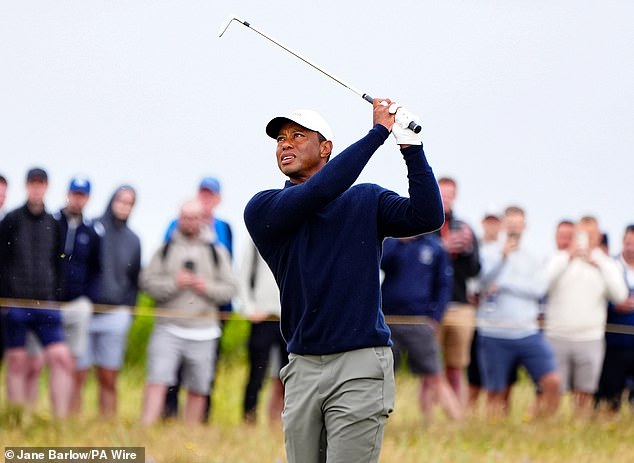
x=413, y=126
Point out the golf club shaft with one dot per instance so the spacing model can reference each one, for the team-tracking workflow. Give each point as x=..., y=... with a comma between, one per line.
x=415, y=127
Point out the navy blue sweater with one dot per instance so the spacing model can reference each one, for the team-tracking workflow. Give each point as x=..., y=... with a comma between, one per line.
x=81, y=258
x=322, y=240
x=418, y=277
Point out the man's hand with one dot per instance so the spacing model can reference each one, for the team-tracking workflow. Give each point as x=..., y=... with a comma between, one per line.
x=199, y=285
x=626, y=306
x=381, y=114
x=459, y=241
x=511, y=244
x=184, y=279
x=403, y=135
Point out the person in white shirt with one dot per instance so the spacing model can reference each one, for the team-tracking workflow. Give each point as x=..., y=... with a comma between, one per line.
x=581, y=281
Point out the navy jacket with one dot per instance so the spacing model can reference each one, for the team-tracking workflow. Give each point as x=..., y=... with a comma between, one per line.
x=322, y=240
x=418, y=277
x=81, y=258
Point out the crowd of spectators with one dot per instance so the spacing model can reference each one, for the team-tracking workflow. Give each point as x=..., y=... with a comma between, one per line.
x=465, y=307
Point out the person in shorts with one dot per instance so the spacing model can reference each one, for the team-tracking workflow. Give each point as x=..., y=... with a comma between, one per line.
x=192, y=277
x=118, y=288
x=512, y=283
x=31, y=275
x=416, y=290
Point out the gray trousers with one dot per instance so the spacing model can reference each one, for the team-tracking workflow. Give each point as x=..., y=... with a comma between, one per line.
x=336, y=406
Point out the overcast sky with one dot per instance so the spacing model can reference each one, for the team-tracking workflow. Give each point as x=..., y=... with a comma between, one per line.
x=522, y=102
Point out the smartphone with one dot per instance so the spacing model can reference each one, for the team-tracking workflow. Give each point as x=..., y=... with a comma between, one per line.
x=189, y=265
x=513, y=236
x=582, y=240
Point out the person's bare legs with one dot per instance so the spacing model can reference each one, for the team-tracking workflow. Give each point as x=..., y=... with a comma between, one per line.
x=195, y=405
x=582, y=403
x=17, y=360
x=76, y=400
x=446, y=398
x=276, y=402
x=60, y=364
x=548, y=401
x=107, y=379
x=456, y=381
x=34, y=366
x=153, y=402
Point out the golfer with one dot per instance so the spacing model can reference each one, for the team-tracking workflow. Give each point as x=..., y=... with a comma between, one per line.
x=322, y=239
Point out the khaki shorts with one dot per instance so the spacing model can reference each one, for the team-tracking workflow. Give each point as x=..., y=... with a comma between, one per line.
x=455, y=334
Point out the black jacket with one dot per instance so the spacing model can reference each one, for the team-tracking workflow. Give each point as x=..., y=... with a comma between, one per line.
x=30, y=255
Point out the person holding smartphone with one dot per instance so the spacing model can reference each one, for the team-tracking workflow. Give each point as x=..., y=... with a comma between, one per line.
x=582, y=280
x=512, y=283
x=192, y=276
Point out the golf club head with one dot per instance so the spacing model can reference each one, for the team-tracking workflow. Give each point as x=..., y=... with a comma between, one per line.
x=225, y=25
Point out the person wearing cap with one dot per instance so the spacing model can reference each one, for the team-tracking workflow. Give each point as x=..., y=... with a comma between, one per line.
x=321, y=236
x=32, y=274
x=491, y=228
x=81, y=267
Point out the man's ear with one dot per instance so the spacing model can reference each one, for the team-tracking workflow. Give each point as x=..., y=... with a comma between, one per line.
x=325, y=149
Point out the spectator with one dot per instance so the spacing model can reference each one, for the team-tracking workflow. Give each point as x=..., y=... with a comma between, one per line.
x=512, y=282
x=261, y=305
x=491, y=227
x=618, y=364
x=192, y=275
x=209, y=195
x=3, y=196
x=81, y=267
x=108, y=330
x=564, y=235
x=458, y=323
x=31, y=270
x=417, y=283
x=581, y=281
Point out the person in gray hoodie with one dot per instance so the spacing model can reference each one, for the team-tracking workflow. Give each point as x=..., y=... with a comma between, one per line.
x=190, y=278
x=108, y=331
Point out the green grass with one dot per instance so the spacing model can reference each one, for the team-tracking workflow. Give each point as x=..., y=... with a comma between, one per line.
x=407, y=438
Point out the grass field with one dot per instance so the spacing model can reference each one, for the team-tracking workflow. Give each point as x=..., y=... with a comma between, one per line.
x=407, y=438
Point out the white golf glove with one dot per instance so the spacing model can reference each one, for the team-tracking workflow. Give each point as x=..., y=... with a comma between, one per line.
x=402, y=134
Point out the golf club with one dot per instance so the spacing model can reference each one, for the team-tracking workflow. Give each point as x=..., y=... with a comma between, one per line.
x=415, y=127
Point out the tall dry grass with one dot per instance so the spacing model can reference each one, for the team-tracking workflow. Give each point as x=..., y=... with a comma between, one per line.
x=407, y=437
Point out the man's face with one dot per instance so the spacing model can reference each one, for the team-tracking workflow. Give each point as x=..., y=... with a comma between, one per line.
x=76, y=202
x=564, y=236
x=35, y=191
x=123, y=204
x=491, y=228
x=190, y=221
x=593, y=232
x=3, y=194
x=299, y=152
x=209, y=200
x=514, y=224
x=447, y=194
x=628, y=246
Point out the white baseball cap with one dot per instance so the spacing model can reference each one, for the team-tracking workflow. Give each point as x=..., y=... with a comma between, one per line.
x=305, y=117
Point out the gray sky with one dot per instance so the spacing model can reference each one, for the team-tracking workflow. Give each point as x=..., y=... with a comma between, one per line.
x=522, y=102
